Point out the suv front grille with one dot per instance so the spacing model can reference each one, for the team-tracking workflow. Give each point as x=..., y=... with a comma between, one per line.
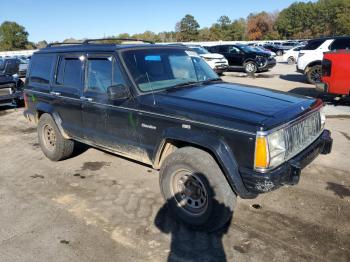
x=301, y=134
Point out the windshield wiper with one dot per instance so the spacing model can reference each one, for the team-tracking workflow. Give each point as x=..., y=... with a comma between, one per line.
x=189, y=83
x=211, y=80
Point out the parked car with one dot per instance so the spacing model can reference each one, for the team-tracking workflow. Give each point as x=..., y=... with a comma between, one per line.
x=288, y=45
x=310, y=57
x=164, y=106
x=275, y=48
x=335, y=73
x=11, y=92
x=243, y=57
x=291, y=55
x=216, y=61
x=23, y=66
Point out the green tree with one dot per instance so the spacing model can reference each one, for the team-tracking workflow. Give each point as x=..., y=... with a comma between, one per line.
x=187, y=29
x=41, y=44
x=12, y=36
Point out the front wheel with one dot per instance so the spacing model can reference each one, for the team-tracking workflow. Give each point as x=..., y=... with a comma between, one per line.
x=279, y=52
x=250, y=67
x=196, y=189
x=314, y=74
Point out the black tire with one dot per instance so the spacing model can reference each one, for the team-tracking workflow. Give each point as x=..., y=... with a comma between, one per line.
x=291, y=60
x=279, y=52
x=250, y=67
x=54, y=146
x=212, y=205
x=314, y=74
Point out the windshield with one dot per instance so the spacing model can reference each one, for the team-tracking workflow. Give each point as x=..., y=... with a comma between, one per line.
x=199, y=50
x=156, y=69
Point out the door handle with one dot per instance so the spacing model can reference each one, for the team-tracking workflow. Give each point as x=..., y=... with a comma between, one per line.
x=55, y=93
x=88, y=99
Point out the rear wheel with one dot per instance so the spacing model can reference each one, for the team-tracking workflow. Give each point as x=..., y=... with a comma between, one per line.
x=279, y=52
x=291, y=60
x=196, y=189
x=314, y=74
x=52, y=143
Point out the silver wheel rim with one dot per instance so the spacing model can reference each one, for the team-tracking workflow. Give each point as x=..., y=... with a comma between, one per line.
x=49, y=137
x=250, y=68
x=290, y=60
x=189, y=192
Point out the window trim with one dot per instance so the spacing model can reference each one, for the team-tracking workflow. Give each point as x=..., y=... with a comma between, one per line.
x=66, y=88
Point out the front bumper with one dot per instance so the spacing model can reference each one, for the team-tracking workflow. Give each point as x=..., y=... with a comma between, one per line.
x=221, y=68
x=289, y=172
x=270, y=64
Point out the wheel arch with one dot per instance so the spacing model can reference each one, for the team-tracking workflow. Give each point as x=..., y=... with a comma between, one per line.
x=313, y=63
x=42, y=108
x=217, y=148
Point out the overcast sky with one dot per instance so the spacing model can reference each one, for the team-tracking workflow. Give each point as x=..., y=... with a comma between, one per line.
x=61, y=19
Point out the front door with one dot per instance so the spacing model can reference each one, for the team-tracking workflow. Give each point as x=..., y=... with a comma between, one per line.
x=66, y=91
x=110, y=124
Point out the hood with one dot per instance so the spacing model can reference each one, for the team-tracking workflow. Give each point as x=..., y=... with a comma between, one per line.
x=211, y=55
x=232, y=105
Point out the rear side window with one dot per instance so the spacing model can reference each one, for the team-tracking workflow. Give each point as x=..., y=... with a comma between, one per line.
x=41, y=68
x=314, y=44
x=342, y=43
x=69, y=72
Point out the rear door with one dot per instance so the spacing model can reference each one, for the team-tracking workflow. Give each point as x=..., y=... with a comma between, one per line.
x=66, y=90
x=236, y=56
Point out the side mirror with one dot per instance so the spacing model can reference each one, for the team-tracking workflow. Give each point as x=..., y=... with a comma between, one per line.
x=118, y=92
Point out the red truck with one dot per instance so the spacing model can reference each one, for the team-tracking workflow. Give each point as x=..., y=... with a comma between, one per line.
x=335, y=73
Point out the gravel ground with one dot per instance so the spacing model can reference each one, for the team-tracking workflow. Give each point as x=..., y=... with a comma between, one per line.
x=97, y=206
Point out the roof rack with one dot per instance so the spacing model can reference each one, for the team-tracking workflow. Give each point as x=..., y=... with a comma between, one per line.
x=63, y=43
x=88, y=41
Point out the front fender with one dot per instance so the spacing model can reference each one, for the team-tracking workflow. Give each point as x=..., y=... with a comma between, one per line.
x=214, y=145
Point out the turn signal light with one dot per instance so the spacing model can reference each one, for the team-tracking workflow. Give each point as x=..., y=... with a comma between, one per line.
x=261, y=153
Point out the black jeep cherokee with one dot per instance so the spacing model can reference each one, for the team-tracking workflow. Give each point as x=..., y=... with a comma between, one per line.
x=244, y=57
x=164, y=106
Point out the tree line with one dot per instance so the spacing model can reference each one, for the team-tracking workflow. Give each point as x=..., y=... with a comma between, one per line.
x=298, y=21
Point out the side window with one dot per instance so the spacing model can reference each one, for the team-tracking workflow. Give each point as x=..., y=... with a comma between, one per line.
x=223, y=49
x=40, y=69
x=342, y=43
x=314, y=44
x=233, y=50
x=99, y=74
x=69, y=72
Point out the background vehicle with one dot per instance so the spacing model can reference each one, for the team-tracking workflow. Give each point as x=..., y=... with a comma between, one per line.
x=11, y=92
x=216, y=61
x=310, y=57
x=335, y=73
x=244, y=57
x=291, y=56
x=260, y=48
x=164, y=106
x=23, y=67
x=274, y=48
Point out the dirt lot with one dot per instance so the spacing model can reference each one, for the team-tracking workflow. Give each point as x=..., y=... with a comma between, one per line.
x=100, y=207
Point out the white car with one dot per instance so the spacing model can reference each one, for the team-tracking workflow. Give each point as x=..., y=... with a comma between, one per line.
x=310, y=57
x=216, y=61
x=291, y=56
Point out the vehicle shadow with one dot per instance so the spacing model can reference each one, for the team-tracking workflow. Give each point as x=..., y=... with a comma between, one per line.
x=190, y=243
x=327, y=98
x=294, y=78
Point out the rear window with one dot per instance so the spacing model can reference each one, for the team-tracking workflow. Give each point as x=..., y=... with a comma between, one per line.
x=314, y=44
x=41, y=68
x=342, y=43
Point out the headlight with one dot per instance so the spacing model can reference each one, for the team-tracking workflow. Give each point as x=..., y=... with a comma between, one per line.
x=208, y=58
x=269, y=150
x=301, y=54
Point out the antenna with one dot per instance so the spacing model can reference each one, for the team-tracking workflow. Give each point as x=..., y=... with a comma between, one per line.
x=150, y=85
